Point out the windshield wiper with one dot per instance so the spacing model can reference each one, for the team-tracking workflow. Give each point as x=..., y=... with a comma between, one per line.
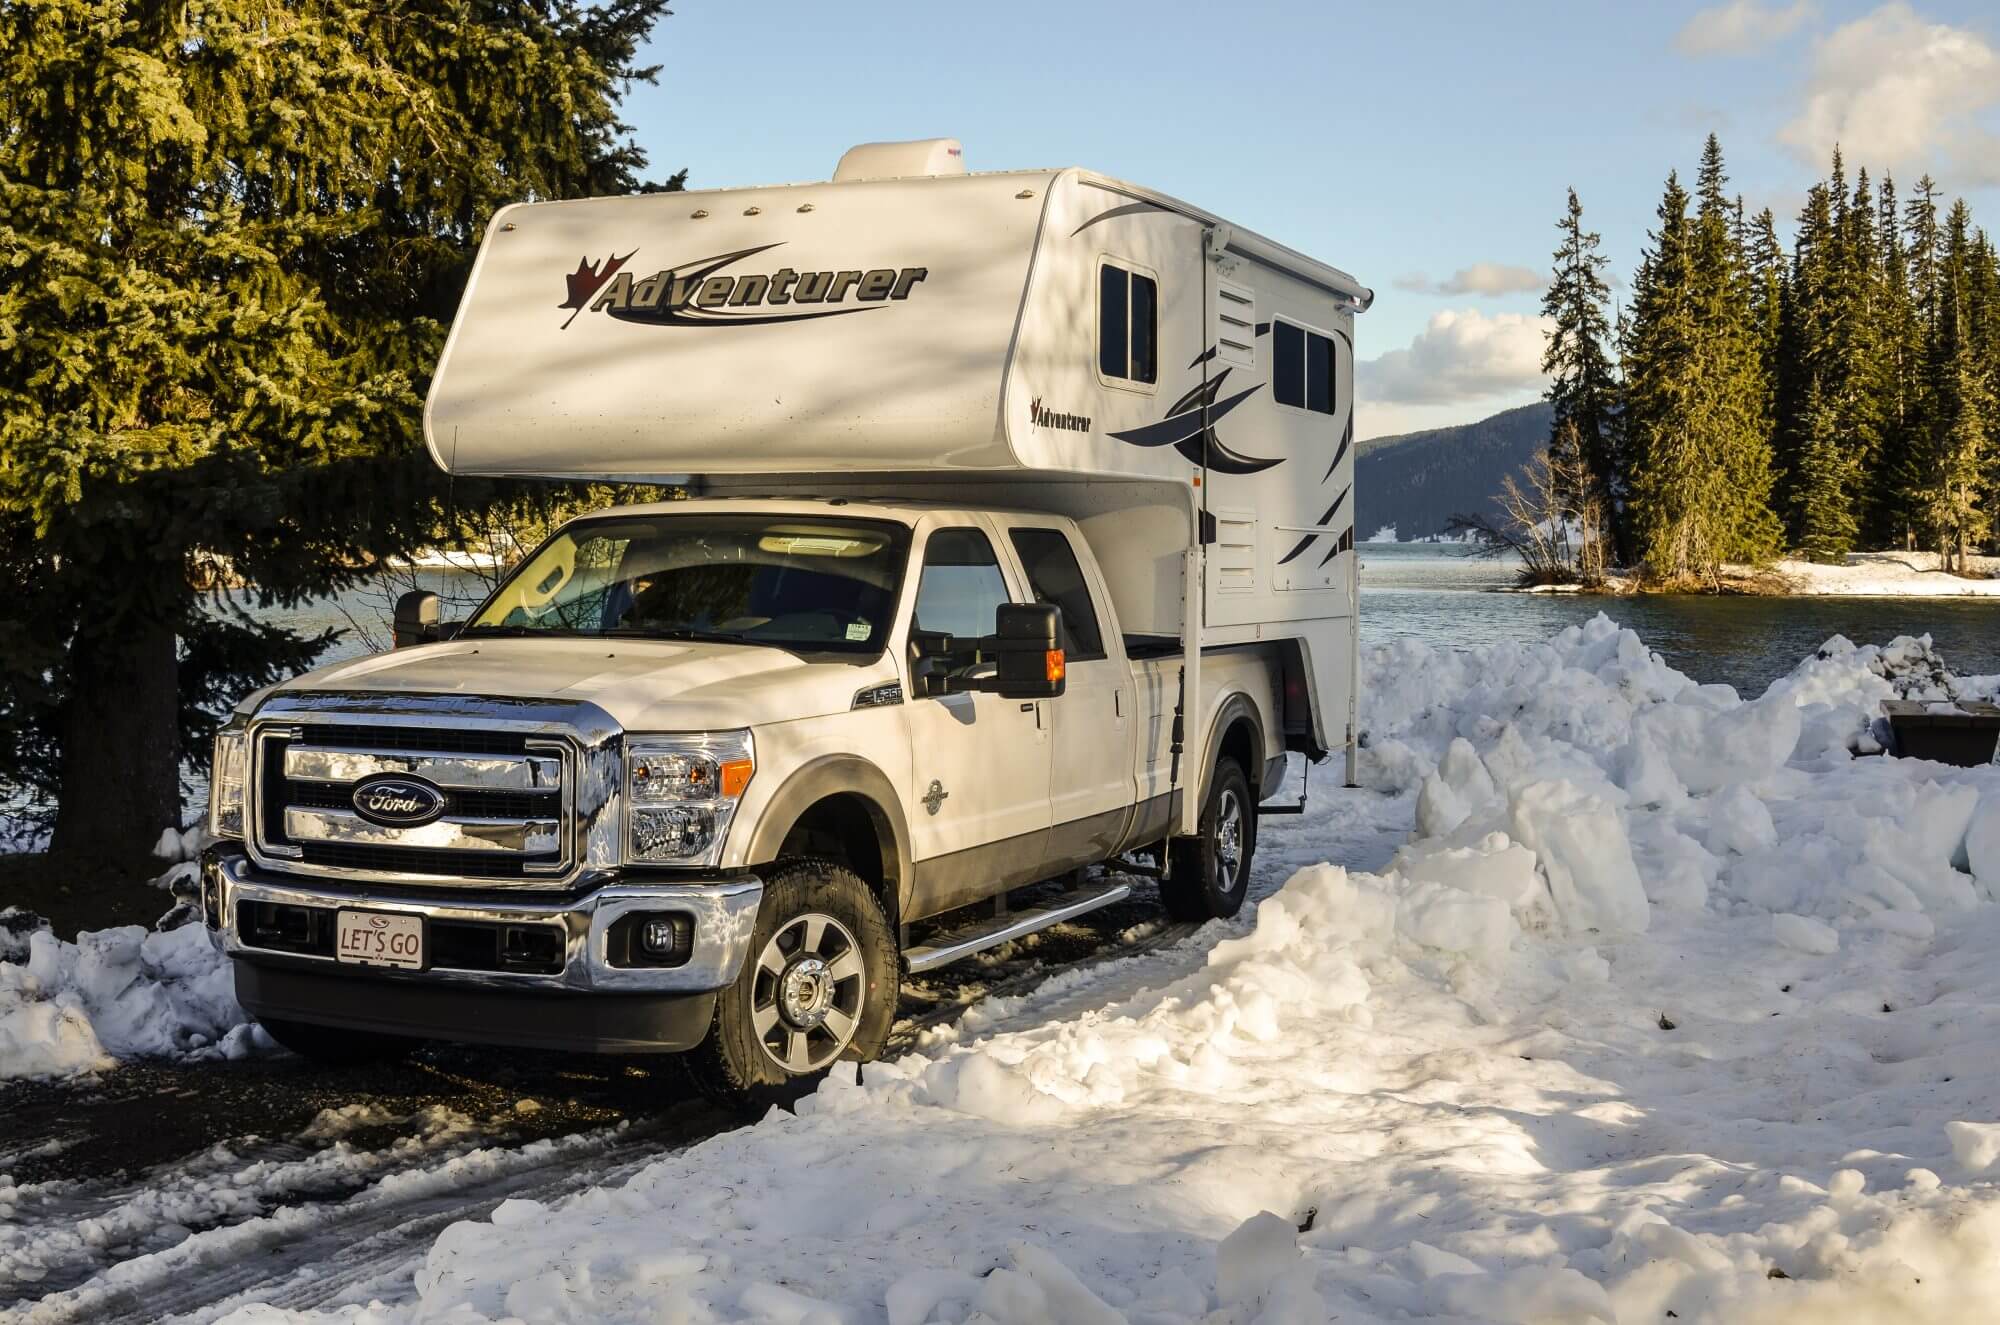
x=681, y=635
x=678, y=634
x=521, y=632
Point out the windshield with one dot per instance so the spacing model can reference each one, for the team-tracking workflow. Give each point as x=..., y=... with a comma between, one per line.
x=794, y=583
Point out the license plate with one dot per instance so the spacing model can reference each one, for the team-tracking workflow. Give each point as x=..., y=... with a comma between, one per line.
x=378, y=938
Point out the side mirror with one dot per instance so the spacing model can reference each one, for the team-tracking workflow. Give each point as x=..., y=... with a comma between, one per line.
x=416, y=619
x=1024, y=645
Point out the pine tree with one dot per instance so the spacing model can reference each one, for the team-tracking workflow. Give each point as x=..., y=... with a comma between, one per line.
x=1983, y=330
x=1583, y=387
x=1732, y=414
x=1823, y=482
x=234, y=233
x=1766, y=256
x=1900, y=348
x=1955, y=475
x=1673, y=483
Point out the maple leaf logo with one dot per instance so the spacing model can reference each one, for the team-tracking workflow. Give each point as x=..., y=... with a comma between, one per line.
x=586, y=281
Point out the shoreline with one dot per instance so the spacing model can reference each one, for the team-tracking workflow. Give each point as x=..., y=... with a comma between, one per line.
x=1877, y=575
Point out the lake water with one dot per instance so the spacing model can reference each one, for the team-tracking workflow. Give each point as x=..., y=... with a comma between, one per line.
x=1444, y=597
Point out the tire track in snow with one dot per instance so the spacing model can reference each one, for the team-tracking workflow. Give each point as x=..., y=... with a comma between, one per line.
x=368, y=1242
x=317, y=1251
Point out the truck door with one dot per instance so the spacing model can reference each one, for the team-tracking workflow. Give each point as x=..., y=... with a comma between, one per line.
x=1091, y=783
x=979, y=812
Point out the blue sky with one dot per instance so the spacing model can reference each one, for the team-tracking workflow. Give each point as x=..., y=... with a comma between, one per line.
x=1423, y=147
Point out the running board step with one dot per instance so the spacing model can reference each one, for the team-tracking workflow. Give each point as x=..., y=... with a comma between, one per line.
x=1014, y=925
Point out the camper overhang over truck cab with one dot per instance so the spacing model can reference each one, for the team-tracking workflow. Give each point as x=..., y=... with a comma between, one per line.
x=1021, y=542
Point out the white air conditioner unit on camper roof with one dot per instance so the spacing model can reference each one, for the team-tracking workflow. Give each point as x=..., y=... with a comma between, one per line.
x=921, y=156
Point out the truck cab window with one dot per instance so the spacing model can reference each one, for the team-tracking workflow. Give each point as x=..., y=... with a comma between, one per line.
x=1127, y=324
x=960, y=585
x=1057, y=579
x=814, y=585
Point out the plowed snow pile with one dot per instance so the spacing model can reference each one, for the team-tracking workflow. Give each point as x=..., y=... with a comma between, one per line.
x=1670, y=1005
x=117, y=994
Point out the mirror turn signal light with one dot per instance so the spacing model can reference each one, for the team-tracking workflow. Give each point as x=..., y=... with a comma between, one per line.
x=1056, y=666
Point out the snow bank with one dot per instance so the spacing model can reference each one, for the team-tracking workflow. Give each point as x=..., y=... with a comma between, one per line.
x=1889, y=574
x=116, y=994
x=1669, y=1003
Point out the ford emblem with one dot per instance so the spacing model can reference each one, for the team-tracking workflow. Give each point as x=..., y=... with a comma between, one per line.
x=397, y=801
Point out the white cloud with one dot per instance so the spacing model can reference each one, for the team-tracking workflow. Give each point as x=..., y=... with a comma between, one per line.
x=1462, y=355
x=1893, y=90
x=1740, y=27
x=1488, y=278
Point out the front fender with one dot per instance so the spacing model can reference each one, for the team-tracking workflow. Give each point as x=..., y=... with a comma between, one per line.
x=833, y=775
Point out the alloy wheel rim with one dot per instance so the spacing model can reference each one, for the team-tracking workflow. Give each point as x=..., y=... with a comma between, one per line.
x=1228, y=840
x=806, y=993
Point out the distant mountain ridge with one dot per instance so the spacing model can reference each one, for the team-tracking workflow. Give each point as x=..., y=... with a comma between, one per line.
x=1417, y=481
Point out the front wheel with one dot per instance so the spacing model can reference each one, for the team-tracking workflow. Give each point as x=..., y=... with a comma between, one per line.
x=1208, y=875
x=819, y=985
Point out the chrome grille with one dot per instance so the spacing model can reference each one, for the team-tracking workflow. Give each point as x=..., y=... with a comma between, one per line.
x=507, y=802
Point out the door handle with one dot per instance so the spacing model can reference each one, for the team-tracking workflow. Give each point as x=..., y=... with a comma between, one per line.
x=1028, y=707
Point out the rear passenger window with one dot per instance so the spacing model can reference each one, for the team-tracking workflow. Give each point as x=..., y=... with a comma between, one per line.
x=1055, y=578
x=1302, y=368
x=961, y=584
x=1128, y=324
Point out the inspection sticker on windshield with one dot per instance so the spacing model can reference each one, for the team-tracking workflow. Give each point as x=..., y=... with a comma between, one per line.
x=857, y=630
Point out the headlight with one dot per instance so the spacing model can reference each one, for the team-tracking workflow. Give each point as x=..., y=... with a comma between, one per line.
x=227, y=777
x=680, y=794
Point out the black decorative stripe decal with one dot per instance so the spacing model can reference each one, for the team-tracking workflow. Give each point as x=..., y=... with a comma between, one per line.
x=1307, y=541
x=1342, y=544
x=1128, y=209
x=1202, y=358
x=1182, y=429
x=1301, y=546
x=1263, y=328
x=1346, y=440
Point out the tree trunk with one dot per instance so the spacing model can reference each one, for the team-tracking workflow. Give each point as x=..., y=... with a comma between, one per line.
x=121, y=745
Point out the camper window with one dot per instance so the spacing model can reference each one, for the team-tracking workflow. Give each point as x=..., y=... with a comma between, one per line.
x=1127, y=324
x=1302, y=368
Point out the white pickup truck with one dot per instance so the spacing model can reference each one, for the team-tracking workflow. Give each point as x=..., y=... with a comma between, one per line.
x=689, y=777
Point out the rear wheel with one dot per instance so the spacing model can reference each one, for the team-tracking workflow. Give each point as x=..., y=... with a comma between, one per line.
x=1208, y=875
x=818, y=986
x=334, y=1045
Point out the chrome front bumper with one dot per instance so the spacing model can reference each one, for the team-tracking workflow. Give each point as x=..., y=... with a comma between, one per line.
x=723, y=912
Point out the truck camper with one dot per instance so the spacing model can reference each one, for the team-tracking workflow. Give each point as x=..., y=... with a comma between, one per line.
x=1020, y=542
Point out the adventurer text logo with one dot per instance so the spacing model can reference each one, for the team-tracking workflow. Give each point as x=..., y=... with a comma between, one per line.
x=1042, y=417
x=704, y=293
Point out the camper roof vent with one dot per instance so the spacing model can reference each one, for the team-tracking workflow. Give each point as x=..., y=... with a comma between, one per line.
x=924, y=156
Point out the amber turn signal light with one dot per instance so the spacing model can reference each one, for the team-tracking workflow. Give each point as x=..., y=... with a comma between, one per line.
x=1056, y=666
x=735, y=777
